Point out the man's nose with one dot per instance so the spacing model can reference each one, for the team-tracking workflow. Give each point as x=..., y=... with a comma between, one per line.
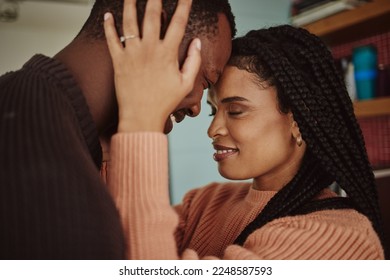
x=194, y=110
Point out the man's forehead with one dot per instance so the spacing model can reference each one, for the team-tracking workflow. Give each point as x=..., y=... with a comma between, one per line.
x=214, y=72
x=214, y=59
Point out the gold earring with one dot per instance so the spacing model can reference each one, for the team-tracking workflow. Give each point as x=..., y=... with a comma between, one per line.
x=299, y=140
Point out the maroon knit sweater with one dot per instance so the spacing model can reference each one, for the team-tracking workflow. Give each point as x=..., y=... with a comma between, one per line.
x=53, y=204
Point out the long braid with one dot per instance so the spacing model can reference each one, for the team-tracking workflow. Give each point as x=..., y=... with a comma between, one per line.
x=303, y=71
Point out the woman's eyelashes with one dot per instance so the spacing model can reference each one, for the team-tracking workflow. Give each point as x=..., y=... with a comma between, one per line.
x=213, y=111
x=231, y=110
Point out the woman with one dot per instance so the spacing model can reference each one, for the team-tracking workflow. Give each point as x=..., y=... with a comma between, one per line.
x=281, y=116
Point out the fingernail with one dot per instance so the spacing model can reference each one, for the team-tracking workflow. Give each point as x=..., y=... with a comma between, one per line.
x=198, y=44
x=107, y=16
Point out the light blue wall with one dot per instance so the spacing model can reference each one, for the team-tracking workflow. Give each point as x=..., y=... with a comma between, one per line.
x=191, y=162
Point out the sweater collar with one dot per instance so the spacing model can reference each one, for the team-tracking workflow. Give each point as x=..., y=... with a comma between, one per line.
x=258, y=197
x=58, y=72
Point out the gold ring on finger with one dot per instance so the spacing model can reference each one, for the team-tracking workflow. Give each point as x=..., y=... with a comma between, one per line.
x=128, y=37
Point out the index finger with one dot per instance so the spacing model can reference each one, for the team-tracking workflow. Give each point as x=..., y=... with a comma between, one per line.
x=177, y=26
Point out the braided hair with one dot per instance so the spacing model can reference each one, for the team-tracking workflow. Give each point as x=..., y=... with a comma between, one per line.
x=309, y=85
x=203, y=18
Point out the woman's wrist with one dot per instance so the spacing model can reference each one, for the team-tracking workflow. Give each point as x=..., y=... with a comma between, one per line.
x=127, y=126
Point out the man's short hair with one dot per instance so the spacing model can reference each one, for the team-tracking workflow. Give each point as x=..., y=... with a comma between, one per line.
x=203, y=18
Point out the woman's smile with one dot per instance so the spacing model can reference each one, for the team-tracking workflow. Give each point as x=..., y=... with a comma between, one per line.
x=223, y=152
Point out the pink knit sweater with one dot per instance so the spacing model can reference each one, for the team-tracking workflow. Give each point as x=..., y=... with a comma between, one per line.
x=210, y=218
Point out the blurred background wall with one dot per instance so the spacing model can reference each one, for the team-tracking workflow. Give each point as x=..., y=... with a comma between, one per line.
x=44, y=26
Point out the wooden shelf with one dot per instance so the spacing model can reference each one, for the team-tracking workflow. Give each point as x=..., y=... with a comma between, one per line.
x=373, y=107
x=353, y=24
x=366, y=20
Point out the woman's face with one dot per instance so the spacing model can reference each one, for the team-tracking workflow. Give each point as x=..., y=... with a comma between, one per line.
x=252, y=138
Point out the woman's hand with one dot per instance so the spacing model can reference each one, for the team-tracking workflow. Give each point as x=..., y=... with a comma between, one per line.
x=149, y=83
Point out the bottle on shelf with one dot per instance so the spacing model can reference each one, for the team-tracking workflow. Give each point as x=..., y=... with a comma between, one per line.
x=365, y=61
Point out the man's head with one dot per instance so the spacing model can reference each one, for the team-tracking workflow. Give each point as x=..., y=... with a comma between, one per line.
x=211, y=21
x=203, y=19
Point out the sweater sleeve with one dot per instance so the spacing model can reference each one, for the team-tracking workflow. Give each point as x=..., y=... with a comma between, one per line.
x=138, y=181
x=53, y=203
x=300, y=238
x=312, y=237
x=329, y=234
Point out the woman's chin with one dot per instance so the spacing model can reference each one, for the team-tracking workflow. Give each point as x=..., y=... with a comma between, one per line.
x=231, y=176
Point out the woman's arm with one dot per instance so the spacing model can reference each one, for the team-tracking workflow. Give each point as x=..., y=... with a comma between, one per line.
x=149, y=85
x=138, y=181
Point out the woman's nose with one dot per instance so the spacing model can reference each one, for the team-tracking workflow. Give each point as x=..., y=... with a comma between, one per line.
x=217, y=127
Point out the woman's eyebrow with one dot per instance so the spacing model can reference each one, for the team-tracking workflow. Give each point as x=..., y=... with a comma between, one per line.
x=233, y=99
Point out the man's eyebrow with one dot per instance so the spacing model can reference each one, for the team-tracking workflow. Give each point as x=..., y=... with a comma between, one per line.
x=233, y=99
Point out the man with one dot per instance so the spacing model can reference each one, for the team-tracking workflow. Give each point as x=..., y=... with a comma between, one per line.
x=53, y=112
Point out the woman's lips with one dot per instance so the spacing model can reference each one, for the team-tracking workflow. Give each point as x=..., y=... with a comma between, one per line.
x=223, y=152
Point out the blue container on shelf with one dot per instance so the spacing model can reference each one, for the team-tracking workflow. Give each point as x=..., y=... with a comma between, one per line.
x=365, y=61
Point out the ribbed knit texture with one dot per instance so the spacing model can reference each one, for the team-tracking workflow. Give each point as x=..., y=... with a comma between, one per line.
x=137, y=171
x=53, y=204
x=210, y=218
x=329, y=234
